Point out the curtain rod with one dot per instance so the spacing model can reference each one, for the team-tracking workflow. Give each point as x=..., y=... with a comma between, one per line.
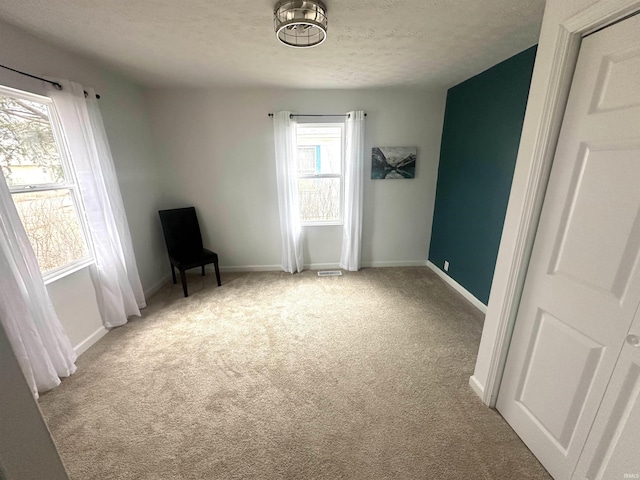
x=56, y=85
x=317, y=115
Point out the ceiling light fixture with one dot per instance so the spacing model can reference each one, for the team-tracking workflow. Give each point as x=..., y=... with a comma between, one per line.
x=300, y=23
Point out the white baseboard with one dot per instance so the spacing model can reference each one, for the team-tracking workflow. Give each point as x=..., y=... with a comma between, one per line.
x=393, y=263
x=249, y=268
x=459, y=288
x=276, y=268
x=322, y=266
x=84, y=345
x=476, y=387
x=154, y=288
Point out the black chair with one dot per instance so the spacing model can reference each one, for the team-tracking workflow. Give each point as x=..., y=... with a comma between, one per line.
x=184, y=243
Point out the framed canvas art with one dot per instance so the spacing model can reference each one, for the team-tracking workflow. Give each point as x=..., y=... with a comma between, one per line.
x=393, y=162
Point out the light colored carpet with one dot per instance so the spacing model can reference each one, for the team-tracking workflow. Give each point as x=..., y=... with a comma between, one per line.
x=278, y=376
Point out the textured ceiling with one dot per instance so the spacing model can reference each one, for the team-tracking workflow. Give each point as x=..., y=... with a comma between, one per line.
x=370, y=43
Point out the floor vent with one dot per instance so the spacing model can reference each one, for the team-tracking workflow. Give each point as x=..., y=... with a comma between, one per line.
x=329, y=273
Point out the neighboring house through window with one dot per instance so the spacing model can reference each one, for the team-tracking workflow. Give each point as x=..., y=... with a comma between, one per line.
x=320, y=148
x=41, y=179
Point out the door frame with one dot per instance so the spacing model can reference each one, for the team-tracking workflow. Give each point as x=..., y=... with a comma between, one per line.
x=535, y=156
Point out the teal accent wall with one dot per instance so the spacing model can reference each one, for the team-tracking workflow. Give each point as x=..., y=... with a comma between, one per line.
x=482, y=126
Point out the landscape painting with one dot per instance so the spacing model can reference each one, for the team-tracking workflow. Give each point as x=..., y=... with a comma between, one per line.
x=393, y=162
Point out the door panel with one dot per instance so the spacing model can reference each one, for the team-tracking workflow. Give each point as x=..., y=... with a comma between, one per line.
x=617, y=82
x=555, y=343
x=606, y=182
x=583, y=284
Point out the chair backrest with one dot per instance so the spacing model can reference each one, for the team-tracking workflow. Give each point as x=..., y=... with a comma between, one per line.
x=181, y=231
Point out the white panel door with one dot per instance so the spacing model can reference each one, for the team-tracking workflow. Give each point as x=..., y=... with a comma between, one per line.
x=613, y=446
x=583, y=284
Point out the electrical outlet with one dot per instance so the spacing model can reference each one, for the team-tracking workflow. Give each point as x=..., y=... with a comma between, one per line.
x=446, y=266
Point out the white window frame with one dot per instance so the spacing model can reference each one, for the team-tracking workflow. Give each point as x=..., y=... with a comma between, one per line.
x=340, y=220
x=70, y=183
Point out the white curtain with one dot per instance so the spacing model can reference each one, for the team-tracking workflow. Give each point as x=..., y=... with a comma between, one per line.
x=284, y=129
x=353, y=192
x=115, y=274
x=26, y=313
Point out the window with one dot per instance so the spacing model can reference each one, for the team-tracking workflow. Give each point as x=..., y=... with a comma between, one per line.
x=320, y=173
x=42, y=182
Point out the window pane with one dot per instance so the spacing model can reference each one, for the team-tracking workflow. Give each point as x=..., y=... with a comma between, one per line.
x=307, y=160
x=52, y=226
x=319, y=199
x=28, y=152
x=319, y=149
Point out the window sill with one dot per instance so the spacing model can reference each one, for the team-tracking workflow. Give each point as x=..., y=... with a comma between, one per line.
x=68, y=270
x=323, y=224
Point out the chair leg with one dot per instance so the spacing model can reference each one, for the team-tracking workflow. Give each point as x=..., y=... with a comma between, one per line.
x=215, y=264
x=173, y=273
x=183, y=278
x=203, y=270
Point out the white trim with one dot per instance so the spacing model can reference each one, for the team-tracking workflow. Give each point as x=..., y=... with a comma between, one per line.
x=84, y=345
x=565, y=56
x=514, y=264
x=379, y=264
x=393, y=263
x=331, y=223
x=274, y=268
x=68, y=269
x=251, y=268
x=41, y=187
x=458, y=288
x=23, y=95
x=476, y=386
x=149, y=292
x=320, y=266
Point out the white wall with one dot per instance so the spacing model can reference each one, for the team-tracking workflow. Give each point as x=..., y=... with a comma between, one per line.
x=74, y=300
x=216, y=152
